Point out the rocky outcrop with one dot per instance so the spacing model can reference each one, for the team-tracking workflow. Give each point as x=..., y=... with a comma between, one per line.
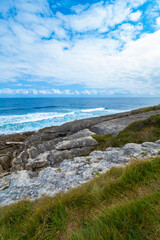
x=4, y=162
x=71, y=173
x=49, y=146
x=9, y=146
x=53, y=145
x=52, y=160
x=114, y=126
x=52, y=152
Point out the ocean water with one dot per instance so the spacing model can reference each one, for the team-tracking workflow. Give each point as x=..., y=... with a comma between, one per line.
x=19, y=115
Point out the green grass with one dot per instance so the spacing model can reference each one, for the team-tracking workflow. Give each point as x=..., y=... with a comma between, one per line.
x=137, y=132
x=6, y=187
x=123, y=203
x=146, y=109
x=134, y=220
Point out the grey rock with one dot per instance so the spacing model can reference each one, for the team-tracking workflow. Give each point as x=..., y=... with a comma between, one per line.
x=132, y=149
x=157, y=142
x=71, y=172
x=4, y=182
x=39, y=162
x=1, y=169
x=114, y=126
x=5, y=161
x=81, y=134
x=56, y=157
x=32, y=152
x=23, y=156
x=57, y=150
x=76, y=143
x=32, y=174
x=150, y=145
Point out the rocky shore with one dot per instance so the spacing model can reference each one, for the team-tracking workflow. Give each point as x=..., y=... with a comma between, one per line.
x=54, y=159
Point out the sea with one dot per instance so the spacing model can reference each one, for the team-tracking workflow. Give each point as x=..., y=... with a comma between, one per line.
x=18, y=115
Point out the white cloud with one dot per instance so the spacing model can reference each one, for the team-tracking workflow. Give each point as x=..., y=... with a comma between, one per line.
x=67, y=92
x=116, y=60
x=98, y=16
x=86, y=92
x=135, y=16
x=31, y=91
x=158, y=21
x=158, y=2
x=79, y=8
x=14, y=91
x=136, y=3
x=126, y=32
x=77, y=92
x=56, y=91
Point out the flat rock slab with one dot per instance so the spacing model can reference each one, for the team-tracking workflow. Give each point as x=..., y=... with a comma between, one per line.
x=114, y=126
x=71, y=173
x=76, y=143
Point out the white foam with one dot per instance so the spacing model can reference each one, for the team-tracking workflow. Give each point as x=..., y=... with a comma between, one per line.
x=116, y=110
x=31, y=117
x=93, y=109
x=34, y=121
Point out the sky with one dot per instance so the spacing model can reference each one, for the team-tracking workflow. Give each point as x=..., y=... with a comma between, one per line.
x=79, y=48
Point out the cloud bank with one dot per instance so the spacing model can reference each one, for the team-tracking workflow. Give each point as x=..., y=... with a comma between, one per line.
x=103, y=47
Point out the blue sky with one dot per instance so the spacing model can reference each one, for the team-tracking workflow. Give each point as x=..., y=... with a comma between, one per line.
x=79, y=48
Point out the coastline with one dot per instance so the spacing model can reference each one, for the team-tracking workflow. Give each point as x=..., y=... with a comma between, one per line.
x=24, y=115
x=21, y=135
x=60, y=158
x=13, y=144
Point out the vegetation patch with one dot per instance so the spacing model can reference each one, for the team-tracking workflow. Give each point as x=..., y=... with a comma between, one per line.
x=100, y=169
x=147, y=130
x=144, y=154
x=138, y=219
x=59, y=170
x=95, y=173
x=6, y=187
x=147, y=109
x=88, y=159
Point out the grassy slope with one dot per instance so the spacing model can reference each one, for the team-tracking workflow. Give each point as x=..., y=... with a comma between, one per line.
x=123, y=203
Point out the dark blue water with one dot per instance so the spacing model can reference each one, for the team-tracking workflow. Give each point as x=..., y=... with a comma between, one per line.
x=31, y=114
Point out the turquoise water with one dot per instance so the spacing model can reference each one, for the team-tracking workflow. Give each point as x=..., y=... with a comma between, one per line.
x=30, y=114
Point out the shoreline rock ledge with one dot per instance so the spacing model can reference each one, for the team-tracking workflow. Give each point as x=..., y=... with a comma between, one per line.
x=71, y=173
x=51, y=146
x=29, y=155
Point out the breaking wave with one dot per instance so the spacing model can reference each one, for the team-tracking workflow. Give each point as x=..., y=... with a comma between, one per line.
x=93, y=109
x=35, y=121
